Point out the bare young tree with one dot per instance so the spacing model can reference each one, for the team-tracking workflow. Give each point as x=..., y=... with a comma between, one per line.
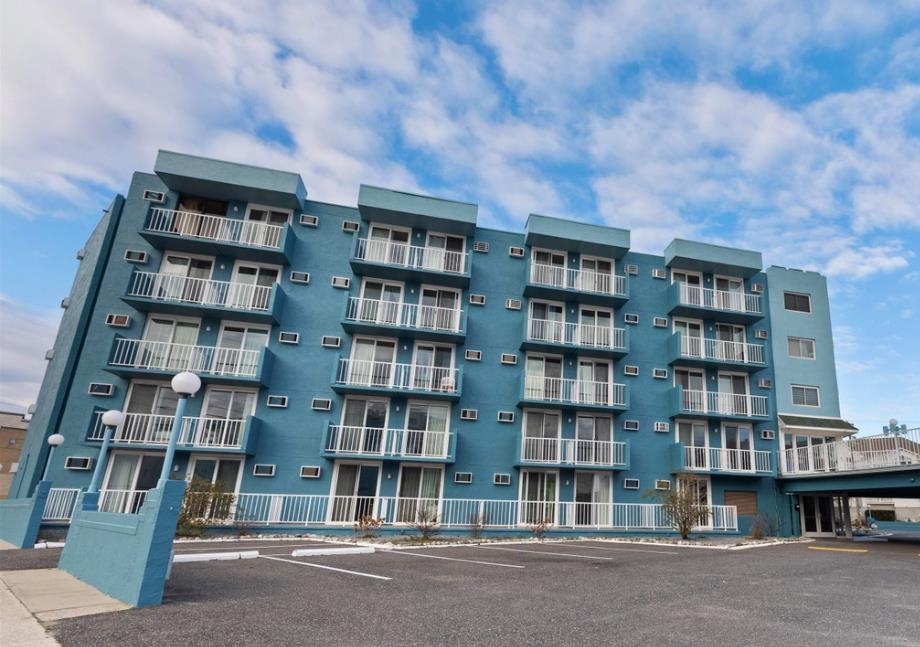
x=682, y=506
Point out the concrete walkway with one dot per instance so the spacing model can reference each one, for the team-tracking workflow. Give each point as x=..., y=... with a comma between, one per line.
x=27, y=597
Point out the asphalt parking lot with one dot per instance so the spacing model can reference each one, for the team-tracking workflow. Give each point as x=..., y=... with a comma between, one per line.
x=565, y=593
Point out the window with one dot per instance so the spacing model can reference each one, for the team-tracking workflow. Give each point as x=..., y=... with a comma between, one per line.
x=744, y=500
x=801, y=347
x=806, y=396
x=797, y=302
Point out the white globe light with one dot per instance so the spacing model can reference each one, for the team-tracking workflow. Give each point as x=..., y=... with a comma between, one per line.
x=55, y=439
x=186, y=383
x=893, y=422
x=113, y=418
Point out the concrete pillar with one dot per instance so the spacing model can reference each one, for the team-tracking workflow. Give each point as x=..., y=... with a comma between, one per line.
x=847, y=522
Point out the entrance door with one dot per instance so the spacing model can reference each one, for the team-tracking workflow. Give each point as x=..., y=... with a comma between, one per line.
x=739, y=443
x=129, y=478
x=730, y=342
x=696, y=442
x=592, y=499
x=439, y=309
x=593, y=382
x=541, y=436
x=252, y=286
x=593, y=436
x=238, y=349
x=388, y=245
x=371, y=362
x=818, y=517
x=543, y=379
x=433, y=368
x=691, y=337
x=733, y=394
x=548, y=268
x=444, y=253
x=355, y=492
x=381, y=302
x=419, y=494
x=363, y=426
x=547, y=322
x=183, y=278
x=169, y=345
x=538, y=497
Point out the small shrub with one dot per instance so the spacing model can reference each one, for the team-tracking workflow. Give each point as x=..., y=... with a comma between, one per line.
x=204, y=504
x=681, y=507
x=426, y=522
x=477, y=524
x=367, y=526
x=538, y=530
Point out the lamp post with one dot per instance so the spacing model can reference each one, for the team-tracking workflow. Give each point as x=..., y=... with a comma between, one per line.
x=894, y=428
x=54, y=440
x=184, y=384
x=110, y=420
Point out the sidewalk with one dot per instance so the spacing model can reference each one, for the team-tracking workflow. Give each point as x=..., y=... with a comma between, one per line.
x=30, y=596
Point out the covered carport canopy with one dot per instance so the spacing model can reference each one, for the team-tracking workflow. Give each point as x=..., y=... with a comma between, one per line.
x=895, y=483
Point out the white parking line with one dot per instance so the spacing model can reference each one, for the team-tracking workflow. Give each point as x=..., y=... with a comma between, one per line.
x=327, y=568
x=450, y=559
x=627, y=550
x=216, y=547
x=545, y=552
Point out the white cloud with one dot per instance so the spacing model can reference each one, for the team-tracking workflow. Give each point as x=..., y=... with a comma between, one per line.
x=25, y=334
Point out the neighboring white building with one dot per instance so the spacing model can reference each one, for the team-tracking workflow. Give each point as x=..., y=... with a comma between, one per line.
x=904, y=509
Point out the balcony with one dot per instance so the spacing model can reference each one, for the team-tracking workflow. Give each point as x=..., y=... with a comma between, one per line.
x=697, y=351
x=716, y=460
x=869, y=453
x=402, y=262
x=572, y=394
x=394, y=444
x=730, y=307
x=713, y=404
x=149, y=291
x=569, y=452
x=554, y=282
x=383, y=378
x=151, y=431
x=142, y=358
x=374, y=317
x=549, y=336
x=204, y=233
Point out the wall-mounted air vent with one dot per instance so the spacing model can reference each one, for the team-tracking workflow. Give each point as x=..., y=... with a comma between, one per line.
x=505, y=416
x=469, y=414
x=263, y=469
x=629, y=369
x=481, y=246
x=78, y=463
x=309, y=221
x=501, y=478
x=765, y=383
x=310, y=471
x=631, y=425
x=660, y=373
x=631, y=269
x=630, y=484
x=660, y=322
x=463, y=477
x=321, y=404
x=478, y=299
x=761, y=334
x=516, y=252
x=757, y=288
x=101, y=389
x=768, y=434
x=341, y=282
x=513, y=304
x=662, y=484
x=136, y=256
x=658, y=273
x=65, y=303
x=473, y=355
x=276, y=401
x=81, y=254
x=285, y=337
x=350, y=226
x=331, y=341
x=662, y=427
x=300, y=277
x=49, y=354
x=117, y=321
x=509, y=358
x=156, y=197
x=631, y=318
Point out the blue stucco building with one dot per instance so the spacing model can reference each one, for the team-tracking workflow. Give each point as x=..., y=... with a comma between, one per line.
x=394, y=359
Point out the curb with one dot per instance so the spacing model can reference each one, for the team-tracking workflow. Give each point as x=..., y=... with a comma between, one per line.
x=213, y=557
x=315, y=552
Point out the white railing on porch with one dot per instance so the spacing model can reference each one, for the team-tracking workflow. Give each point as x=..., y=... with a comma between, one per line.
x=60, y=504
x=184, y=289
x=569, y=451
x=557, y=389
x=122, y=501
x=415, y=377
x=204, y=360
x=154, y=429
x=579, y=280
x=721, y=351
x=409, y=256
x=217, y=228
x=62, y=501
x=694, y=295
x=729, y=404
x=853, y=454
x=718, y=459
x=374, y=441
x=560, y=332
x=403, y=315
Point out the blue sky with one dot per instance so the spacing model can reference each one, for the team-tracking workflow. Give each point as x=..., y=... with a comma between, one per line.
x=787, y=127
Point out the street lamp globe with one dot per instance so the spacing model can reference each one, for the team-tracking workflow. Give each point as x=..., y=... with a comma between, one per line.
x=186, y=383
x=55, y=440
x=893, y=422
x=113, y=418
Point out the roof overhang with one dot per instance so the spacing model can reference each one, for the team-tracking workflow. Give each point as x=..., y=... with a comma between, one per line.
x=417, y=211
x=571, y=236
x=816, y=424
x=717, y=259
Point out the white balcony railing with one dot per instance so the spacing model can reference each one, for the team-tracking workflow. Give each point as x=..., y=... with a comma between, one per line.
x=217, y=228
x=727, y=404
x=387, y=375
x=728, y=301
x=153, y=429
x=321, y=510
x=374, y=441
x=203, y=360
x=721, y=351
x=183, y=289
x=717, y=459
x=579, y=280
x=568, y=451
x=853, y=454
x=557, y=389
x=434, y=259
x=560, y=332
x=403, y=315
